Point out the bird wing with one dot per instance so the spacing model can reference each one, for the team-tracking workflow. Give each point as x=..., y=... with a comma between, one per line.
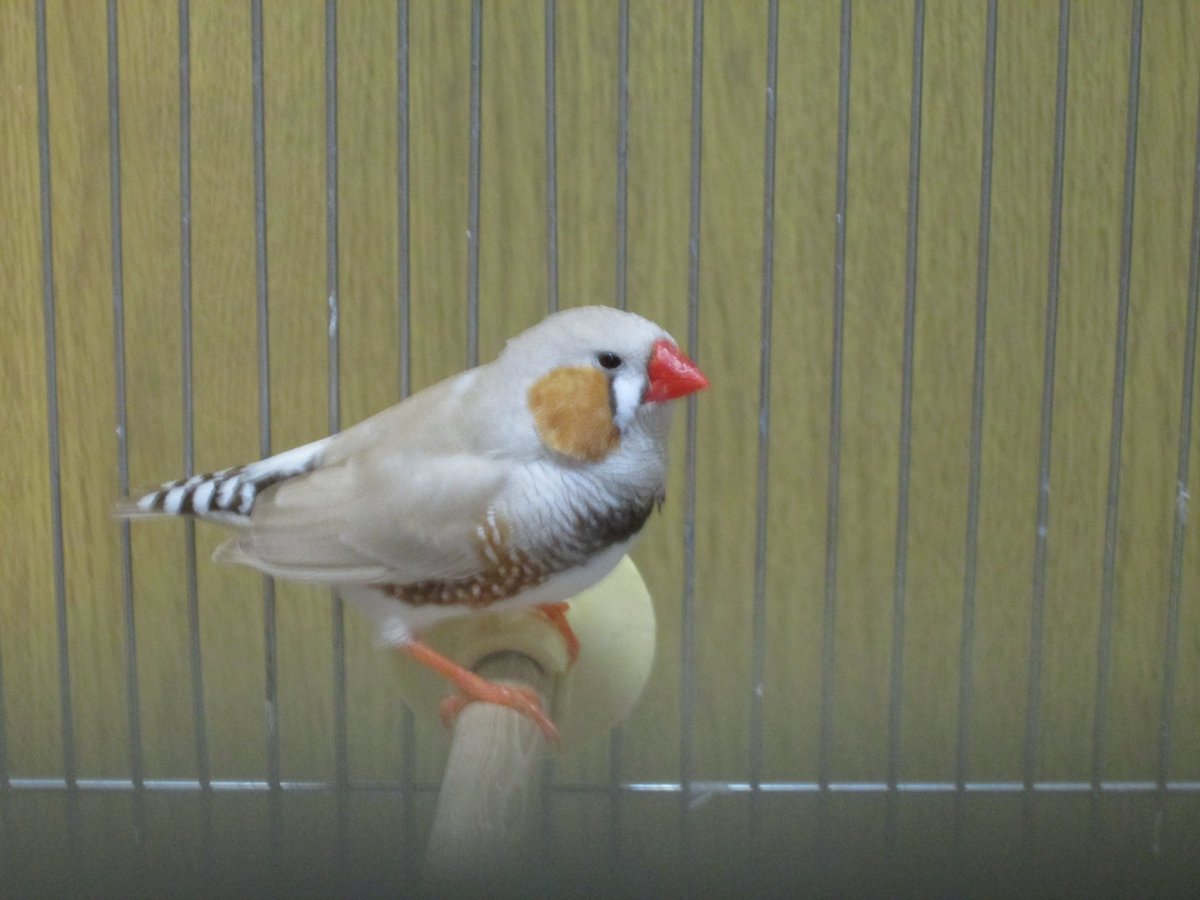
x=398, y=498
x=398, y=517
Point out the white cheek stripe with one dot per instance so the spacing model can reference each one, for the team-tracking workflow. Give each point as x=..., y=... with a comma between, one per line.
x=627, y=391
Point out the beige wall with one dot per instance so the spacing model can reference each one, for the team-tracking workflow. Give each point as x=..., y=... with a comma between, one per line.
x=513, y=294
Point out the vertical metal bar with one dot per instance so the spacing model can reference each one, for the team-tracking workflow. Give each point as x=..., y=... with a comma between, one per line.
x=199, y=715
x=405, y=269
x=66, y=711
x=829, y=622
x=5, y=782
x=473, y=187
x=408, y=740
x=331, y=215
x=616, y=744
x=688, y=654
x=1038, y=605
x=1111, y=518
x=900, y=575
x=551, y=164
x=758, y=668
x=271, y=692
x=550, y=73
x=260, y=228
x=337, y=608
x=975, y=464
x=1175, y=586
x=133, y=711
x=622, y=154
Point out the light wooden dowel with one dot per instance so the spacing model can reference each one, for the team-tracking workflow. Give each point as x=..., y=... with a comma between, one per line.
x=487, y=819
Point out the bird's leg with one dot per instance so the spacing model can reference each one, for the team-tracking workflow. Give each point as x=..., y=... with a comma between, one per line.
x=557, y=614
x=473, y=687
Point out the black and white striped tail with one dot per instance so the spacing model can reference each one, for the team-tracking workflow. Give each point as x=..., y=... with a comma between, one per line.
x=227, y=495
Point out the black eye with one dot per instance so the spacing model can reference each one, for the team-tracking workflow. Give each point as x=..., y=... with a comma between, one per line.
x=608, y=359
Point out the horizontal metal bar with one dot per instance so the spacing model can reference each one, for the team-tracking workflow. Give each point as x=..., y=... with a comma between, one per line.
x=903, y=787
x=190, y=785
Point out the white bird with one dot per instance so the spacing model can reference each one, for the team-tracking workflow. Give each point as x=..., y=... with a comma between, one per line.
x=517, y=483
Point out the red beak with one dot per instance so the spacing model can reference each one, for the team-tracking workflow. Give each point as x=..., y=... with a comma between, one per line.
x=672, y=374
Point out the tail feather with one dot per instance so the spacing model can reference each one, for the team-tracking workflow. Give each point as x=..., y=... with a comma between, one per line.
x=226, y=496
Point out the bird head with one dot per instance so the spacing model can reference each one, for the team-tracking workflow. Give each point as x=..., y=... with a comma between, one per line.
x=598, y=377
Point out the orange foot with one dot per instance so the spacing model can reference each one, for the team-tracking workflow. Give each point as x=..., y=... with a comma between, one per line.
x=473, y=688
x=557, y=614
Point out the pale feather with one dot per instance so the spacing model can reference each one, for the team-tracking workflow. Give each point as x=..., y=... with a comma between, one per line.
x=400, y=496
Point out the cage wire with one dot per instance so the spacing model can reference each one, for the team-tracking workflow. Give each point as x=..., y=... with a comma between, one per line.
x=622, y=782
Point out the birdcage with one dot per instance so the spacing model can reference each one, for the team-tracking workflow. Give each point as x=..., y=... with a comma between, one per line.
x=925, y=586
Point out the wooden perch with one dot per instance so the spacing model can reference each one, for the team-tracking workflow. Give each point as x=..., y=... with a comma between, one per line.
x=489, y=809
x=486, y=834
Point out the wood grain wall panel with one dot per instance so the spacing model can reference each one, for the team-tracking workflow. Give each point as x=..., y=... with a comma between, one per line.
x=1017, y=296
x=801, y=363
x=224, y=334
x=876, y=217
x=946, y=269
x=660, y=67
x=81, y=258
x=888, y=715
x=151, y=264
x=28, y=628
x=735, y=67
x=368, y=316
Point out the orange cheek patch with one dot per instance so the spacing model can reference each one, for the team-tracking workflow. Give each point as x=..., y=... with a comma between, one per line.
x=570, y=407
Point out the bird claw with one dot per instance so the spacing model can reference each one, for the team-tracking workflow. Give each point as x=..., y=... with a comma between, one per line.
x=473, y=687
x=556, y=613
x=523, y=700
